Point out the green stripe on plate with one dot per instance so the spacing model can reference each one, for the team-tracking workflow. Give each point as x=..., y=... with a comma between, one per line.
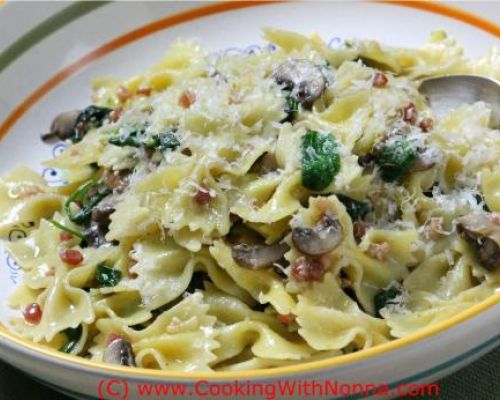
x=45, y=28
x=491, y=343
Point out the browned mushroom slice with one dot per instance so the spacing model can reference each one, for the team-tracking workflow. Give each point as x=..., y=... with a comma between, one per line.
x=119, y=352
x=303, y=78
x=324, y=237
x=95, y=234
x=62, y=127
x=484, y=237
x=258, y=256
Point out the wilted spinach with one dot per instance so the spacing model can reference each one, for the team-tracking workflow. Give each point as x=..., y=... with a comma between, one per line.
x=320, y=160
x=107, y=276
x=90, y=118
x=356, y=209
x=395, y=158
x=386, y=297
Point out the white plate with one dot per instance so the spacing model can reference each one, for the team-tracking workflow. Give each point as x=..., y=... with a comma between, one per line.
x=50, y=52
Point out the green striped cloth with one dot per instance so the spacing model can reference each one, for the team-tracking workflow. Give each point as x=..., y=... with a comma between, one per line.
x=478, y=381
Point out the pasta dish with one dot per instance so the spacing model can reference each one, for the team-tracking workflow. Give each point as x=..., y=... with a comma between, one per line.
x=245, y=211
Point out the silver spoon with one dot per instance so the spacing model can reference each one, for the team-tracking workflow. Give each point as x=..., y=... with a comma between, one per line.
x=448, y=92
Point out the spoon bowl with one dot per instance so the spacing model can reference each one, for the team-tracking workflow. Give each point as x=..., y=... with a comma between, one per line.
x=449, y=92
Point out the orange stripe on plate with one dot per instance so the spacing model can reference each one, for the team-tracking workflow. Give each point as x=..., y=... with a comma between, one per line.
x=450, y=12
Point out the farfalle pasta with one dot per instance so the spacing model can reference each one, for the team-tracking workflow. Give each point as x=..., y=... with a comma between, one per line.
x=226, y=212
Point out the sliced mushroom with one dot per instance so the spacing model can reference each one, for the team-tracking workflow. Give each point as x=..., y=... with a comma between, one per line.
x=258, y=256
x=120, y=352
x=324, y=237
x=303, y=78
x=95, y=234
x=484, y=237
x=62, y=127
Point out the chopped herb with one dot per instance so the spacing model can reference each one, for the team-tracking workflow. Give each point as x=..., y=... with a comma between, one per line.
x=291, y=109
x=107, y=276
x=73, y=335
x=86, y=197
x=356, y=209
x=90, y=118
x=320, y=160
x=386, y=297
x=66, y=228
x=395, y=159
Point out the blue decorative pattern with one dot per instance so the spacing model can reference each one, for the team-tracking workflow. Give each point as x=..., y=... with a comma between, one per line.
x=333, y=43
x=59, y=148
x=53, y=176
x=18, y=232
x=252, y=49
x=14, y=269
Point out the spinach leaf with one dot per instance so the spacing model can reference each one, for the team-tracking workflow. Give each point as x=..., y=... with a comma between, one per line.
x=395, y=159
x=356, y=209
x=90, y=118
x=87, y=197
x=320, y=160
x=162, y=141
x=385, y=297
x=107, y=276
x=73, y=335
